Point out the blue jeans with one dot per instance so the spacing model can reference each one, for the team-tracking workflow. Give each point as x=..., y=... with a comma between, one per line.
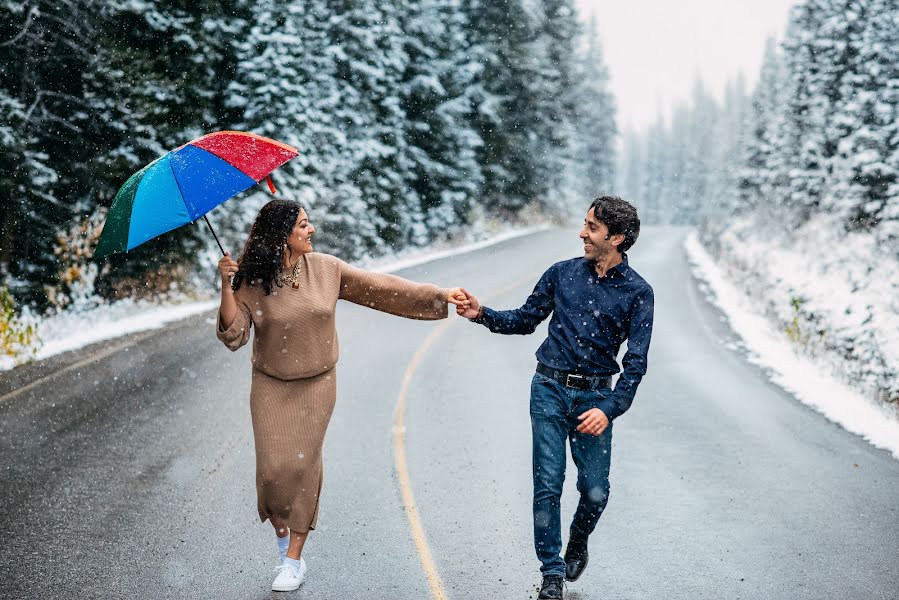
x=554, y=412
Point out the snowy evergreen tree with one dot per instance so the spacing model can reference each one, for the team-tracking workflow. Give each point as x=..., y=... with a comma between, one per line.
x=725, y=169
x=760, y=148
x=814, y=51
x=686, y=172
x=704, y=155
x=554, y=88
x=594, y=130
x=865, y=175
x=630, y=174
x=501, y=33
x=818, y=135
x=45, y=48
x=324, y=77
x=438, y=106
x=367, y=44
x=656, y=173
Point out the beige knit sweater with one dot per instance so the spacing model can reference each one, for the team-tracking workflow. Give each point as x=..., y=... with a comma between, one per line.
x=295, y=328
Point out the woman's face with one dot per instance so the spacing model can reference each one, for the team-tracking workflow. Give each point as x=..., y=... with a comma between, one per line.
x=300, y=240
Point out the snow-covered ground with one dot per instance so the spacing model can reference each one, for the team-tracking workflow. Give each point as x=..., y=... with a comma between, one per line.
x=76, y=329
x=811, y=379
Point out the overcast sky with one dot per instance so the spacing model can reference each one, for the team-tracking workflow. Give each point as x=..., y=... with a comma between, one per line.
x=655, y=48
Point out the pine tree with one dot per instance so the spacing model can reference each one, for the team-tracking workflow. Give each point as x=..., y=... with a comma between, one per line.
x=723, y=198
x=679, y=170
x=704, y=154
x=761, y=144
x=866, y=117
x=46, y=46
x=505, y=112
x=594, y=132
x=437, y=105
x=815, y=53
x=657, y=172
x=630, y=175
x=554, y=90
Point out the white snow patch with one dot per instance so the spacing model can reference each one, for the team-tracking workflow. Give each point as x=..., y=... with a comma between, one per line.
x=70, y=331
x=799, y=375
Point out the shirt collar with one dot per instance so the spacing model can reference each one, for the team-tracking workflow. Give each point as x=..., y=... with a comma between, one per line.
x=621, y=267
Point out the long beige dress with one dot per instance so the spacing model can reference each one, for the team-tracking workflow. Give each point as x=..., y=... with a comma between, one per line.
x=294, y=381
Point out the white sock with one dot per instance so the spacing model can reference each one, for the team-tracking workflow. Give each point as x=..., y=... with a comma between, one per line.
x=294, y=562
x=283, y=543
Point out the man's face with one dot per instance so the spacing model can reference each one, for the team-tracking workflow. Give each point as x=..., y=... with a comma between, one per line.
x=597, y=242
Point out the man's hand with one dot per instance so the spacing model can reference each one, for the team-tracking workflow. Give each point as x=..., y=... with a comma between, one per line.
x=593, y=422
x=457, y=297
x=473, y=308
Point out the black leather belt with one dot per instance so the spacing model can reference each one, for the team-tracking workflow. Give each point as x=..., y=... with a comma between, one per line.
x=575, y=380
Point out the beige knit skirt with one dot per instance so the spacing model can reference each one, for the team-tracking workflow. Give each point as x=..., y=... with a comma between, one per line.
x=289, y=423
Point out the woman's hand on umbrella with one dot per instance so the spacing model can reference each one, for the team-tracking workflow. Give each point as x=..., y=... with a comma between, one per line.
x=227, y=266
x=457, y=296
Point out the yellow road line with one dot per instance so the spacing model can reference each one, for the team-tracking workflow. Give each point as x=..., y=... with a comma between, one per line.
x=402, y=469
x=399, y=453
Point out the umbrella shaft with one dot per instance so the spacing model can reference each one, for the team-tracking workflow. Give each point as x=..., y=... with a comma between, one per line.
x=208, y=224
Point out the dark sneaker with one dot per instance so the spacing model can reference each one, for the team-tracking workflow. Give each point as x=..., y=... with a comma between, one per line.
x=575, y=559
x=551, y=588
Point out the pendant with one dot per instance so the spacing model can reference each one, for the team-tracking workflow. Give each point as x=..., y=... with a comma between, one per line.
x=296, y=285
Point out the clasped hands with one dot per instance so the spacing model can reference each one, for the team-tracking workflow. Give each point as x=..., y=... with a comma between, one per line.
x=466, y=304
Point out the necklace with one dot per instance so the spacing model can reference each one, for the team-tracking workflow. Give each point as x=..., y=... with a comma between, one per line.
x=294, y=278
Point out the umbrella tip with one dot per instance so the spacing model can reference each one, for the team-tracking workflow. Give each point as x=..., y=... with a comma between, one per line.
x=271, y=184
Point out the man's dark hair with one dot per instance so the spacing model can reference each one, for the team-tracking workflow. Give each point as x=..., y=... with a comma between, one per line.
x=619, y=216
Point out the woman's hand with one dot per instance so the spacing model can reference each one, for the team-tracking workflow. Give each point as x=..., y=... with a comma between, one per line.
x=472, y=309
x=457, y=296
x=227, y=267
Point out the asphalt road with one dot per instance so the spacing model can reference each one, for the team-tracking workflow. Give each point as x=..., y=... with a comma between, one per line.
x=127, y=469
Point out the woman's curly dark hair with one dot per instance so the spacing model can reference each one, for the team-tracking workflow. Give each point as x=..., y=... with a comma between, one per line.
x=260, y=262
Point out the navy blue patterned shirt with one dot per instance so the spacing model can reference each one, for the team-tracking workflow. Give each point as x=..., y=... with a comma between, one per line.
x=591, y=317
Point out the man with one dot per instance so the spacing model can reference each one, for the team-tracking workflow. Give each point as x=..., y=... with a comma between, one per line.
x=596, y=302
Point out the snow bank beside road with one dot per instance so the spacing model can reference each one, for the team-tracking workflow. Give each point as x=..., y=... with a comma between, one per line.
x=813, y=379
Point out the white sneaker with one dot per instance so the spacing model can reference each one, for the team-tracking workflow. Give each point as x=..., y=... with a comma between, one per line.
x=288, y=577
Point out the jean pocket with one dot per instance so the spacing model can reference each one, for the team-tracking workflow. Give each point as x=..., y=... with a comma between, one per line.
x=546, y=399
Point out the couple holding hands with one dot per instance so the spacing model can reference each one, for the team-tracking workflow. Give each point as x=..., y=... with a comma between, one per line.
x=288, y=293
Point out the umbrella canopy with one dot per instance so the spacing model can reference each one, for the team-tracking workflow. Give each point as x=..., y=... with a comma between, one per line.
x=186, y=183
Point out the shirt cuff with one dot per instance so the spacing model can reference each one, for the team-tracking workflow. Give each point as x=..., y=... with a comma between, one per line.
x=480, y=318
x=609, y=408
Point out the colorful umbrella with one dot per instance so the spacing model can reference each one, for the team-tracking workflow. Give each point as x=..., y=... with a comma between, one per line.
x=186, y=183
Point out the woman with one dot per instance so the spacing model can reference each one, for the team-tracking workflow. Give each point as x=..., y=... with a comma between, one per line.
x=288, y=293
